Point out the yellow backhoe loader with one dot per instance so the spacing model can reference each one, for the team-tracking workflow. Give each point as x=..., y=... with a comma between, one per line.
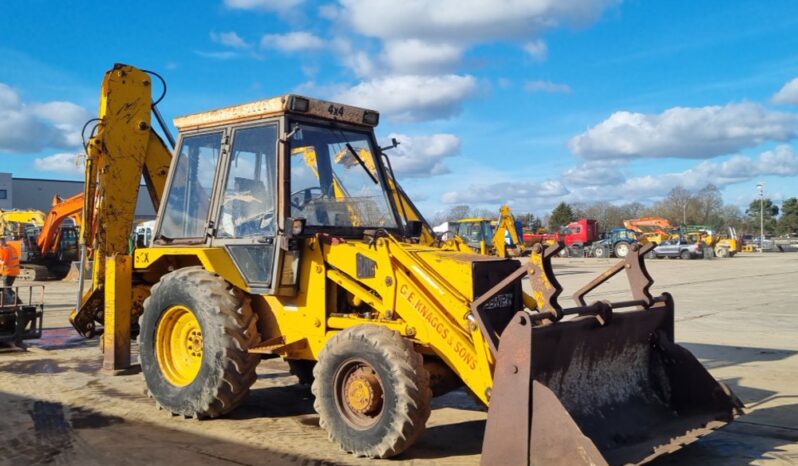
x=500, y=237
x=256, y=252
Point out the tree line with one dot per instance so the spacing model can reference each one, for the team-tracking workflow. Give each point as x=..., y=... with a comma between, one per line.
x=679, y=206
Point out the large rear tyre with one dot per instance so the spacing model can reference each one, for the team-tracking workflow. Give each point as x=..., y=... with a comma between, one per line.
x=195, y=332
x=372, y=391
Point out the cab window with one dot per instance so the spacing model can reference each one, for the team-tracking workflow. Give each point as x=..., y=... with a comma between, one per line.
x=187, y=205
x=249, y=196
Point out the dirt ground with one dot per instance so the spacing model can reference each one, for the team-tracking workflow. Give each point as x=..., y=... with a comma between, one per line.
x=739, y=316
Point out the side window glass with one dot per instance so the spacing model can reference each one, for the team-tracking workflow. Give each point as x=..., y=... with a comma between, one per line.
x=186, y=210
x=248, y=203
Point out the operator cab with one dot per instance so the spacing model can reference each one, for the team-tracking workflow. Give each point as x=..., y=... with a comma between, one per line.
x=252, y=177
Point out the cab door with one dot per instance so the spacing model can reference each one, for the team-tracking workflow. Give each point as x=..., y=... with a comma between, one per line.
x=246, y=217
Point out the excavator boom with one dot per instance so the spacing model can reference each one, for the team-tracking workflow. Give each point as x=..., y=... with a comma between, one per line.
x=63, y=209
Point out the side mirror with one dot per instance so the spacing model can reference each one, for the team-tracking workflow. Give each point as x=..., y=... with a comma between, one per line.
x=413, y=228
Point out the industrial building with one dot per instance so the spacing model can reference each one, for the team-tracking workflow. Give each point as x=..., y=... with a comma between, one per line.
x=38, y=193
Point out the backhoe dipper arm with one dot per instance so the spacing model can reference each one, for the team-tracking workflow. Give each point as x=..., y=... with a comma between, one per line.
x=124, y=149
x=506, y=225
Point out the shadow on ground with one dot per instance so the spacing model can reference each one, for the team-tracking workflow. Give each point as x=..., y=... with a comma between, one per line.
x=717, y=356
x=746, y=441
x=46, y=432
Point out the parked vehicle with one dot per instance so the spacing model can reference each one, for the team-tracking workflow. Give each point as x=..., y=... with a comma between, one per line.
x=678, y=247
x=582, y=238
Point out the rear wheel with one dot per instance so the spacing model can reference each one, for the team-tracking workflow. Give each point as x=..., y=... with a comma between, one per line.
x=195, y=332
x=372, y=391
x=621, y=249
x=686, y=255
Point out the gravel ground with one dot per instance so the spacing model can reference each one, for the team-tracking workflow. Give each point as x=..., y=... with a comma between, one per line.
x=738, y=316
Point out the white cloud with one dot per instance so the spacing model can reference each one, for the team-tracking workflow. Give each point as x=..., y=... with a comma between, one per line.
x=413, y=56
x=601, y=173
x=506, y=191
x=472, y=21
x=787, y=94
x=781, y=161
x=279, y=6
x=292, y=41
x=412, y=97
x=538, y=49
x=356, y=60
x=230, y=39
x=223, y=55
x=63, y=162
x=441, y=30
x=547, y=86
x=423, y=156
x=36, y=126
x=685, y=132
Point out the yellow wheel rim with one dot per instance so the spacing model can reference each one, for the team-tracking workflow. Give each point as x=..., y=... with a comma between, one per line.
x=179, y=345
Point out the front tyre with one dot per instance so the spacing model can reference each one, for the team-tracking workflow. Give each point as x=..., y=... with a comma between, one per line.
x=621, y=249
x=372, y=391
x=195, y=332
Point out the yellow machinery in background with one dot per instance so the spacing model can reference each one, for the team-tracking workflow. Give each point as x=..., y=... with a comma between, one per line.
x=651, y=229
x=257, y=253
x=728, y=245
x=13, y=222
x=45, y=244
x=500, y=237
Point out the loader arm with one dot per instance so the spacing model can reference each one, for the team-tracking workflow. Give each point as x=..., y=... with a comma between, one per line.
x=124, y=150
x=407, y=209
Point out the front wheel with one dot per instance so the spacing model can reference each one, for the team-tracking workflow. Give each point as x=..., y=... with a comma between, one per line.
x=195, y=332
x=621, y=249
x=372, y=391
x=686, y=255
x=721, y=252
x=601, y=252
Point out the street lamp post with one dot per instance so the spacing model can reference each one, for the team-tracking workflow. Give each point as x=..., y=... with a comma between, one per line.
x=761, y=187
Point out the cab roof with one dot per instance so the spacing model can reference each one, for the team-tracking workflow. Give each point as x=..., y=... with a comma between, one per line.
x=275, y=106
x=473, y=220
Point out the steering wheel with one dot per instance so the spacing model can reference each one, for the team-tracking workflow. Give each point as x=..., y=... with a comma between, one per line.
x=301, y=198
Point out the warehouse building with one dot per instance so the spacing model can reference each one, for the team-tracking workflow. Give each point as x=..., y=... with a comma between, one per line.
x=38, y=193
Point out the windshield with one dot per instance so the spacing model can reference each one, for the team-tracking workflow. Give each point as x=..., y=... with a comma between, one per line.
x=334, y=181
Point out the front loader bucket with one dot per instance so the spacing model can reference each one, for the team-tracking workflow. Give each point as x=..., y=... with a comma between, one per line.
x=589, y=391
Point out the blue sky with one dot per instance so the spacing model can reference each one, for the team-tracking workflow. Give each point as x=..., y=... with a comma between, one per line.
x=527, y=102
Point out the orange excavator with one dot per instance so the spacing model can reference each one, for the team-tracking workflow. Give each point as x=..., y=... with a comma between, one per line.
x=650, y=229
x=47, y=251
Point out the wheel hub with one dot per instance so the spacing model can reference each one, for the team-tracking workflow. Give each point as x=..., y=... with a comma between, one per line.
x=363, y=392
x=179, y=345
